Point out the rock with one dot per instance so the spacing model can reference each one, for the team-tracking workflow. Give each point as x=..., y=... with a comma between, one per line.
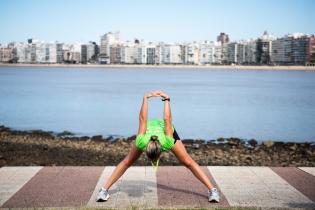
x=97, y=138
x=196, y=146
x=65, y=134
x=132, y=138
x=84, y=138
x=309, y=152
x=293, y=147
x=248, y=158
x=200, y=141
x=42, y=134
x=234, y=141
x=252, y=142
x=218, y=152
x=2, y=162
x=3, y=128
x=268, y=144
x=211, y=142
x=278, y=144
x=220, y=139
x=109, y=138
x=188, y=141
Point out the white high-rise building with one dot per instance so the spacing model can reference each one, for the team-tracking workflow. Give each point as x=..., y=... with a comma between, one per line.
x=217, y=58
x=158, y=53
x=72, y=53
x=20, y=52
x=225, y=53
x=264, y=48
x=151, y=54
x=40, y=53
x=206, y=52
x=35, y=52
x=250, y=52
x=45, y=52
x=129, y=53
x=193, y=53
x=134, y=53
x=241, y=52
x=5, y=53
x=290, y=49
x=107, y=40
x=91, y=51
x=232, y=49
x=142, y=55
x=52, y=51
x=171, y=54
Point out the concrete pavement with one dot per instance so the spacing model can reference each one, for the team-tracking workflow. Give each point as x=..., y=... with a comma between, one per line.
x=169, y=187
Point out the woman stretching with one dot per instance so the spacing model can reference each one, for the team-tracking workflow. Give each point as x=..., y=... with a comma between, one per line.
x=155, y=136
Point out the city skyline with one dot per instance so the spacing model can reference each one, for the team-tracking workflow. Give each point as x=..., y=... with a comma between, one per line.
x=290, y=49
x=139, y=39
x=81, y=21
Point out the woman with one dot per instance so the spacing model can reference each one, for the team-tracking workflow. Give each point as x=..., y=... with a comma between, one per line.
x=155, y=136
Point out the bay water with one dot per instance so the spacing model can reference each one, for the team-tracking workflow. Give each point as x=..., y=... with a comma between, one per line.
x=206, y=104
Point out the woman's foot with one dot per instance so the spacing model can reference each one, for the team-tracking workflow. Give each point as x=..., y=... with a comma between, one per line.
x=213, y=195
x=102, y=195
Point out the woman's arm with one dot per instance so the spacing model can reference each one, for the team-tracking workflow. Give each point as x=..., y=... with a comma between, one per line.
x=143, y=115
x=167, y=115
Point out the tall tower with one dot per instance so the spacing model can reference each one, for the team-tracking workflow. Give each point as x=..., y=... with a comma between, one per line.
x=223, y=38
x=107, y=40
x=263, y=48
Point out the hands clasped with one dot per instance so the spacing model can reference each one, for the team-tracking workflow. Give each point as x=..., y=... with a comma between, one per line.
x=156, y=93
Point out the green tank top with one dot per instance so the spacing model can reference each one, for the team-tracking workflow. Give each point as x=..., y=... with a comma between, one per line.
x=155, y=127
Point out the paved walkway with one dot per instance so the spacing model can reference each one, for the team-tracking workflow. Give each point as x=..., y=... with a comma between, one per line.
x=171, y=186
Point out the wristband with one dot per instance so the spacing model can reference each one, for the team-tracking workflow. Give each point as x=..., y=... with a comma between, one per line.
x=166, y=99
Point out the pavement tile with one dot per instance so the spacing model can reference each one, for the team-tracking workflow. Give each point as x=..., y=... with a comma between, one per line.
x=57, y=187
x=299, y=179
x=12, y=179
x=310, y=170
x=178, y=187
x=137, y=187
x=113, y=191
x=171, y=186
x=257, y=187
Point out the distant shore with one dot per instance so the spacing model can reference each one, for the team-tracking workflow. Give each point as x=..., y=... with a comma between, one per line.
x=211, y=67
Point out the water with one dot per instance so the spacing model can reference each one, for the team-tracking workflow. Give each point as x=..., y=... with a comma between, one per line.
x=207, y=104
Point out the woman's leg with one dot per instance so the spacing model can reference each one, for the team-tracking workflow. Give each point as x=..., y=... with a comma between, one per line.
x=120, y=169
x=182, y=155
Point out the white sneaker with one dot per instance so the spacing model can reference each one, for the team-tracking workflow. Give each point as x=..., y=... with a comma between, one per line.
x=214, y=195
x=102, y=195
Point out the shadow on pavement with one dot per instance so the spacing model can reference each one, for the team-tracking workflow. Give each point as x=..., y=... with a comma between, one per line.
x=133, y=188
x=302, y=205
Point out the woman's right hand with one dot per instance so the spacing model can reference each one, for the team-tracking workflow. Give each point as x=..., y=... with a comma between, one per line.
x=156, y=93
x=150, y=94
x=162, y=94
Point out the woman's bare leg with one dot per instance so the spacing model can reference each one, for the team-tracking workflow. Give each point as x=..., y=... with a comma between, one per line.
x=182, y=155
x=120, y=169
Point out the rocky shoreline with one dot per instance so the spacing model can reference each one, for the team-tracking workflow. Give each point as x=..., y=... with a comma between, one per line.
x=34, y=148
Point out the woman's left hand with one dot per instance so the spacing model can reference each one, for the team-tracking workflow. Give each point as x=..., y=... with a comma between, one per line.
x=162, y=94
x=156, y=93
x=152, y=94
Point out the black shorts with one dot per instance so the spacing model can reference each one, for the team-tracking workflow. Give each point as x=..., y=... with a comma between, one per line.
x=175, y=136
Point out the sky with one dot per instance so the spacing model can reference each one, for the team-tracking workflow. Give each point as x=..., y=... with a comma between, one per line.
x=160, y=20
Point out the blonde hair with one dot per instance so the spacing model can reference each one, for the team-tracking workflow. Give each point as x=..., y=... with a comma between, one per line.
x=154, y=149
